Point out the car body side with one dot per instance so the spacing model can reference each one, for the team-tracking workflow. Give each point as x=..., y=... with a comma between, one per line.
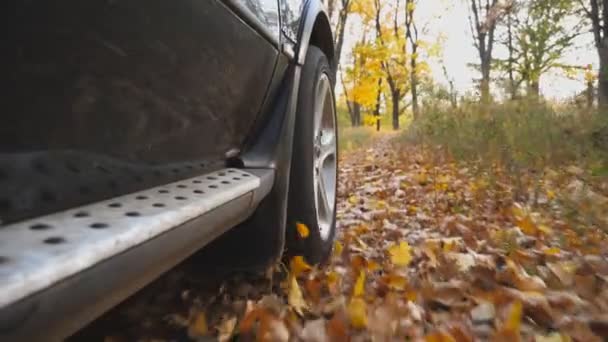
x=102, y=98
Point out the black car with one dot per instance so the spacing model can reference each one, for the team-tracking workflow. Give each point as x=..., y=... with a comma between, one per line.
x=134, y=132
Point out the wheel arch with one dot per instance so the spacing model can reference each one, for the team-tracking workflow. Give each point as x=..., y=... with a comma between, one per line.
x=316, y=30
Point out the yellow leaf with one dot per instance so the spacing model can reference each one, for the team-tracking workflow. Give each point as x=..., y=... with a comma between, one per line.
x=544, y=229
x=421, y=178
x=198, y=325
x=551, y=251
x=359, y=285
x=513, y=322
x=298, y=265
x=353, y=200
x=518, y=211
x=400, y=254
x=550, y=194
x=527, y=225
x=357, y=313
x=362, y=244
x=302, y=230
x=411, y=295
x=338, y=248
x=395, y=281
x=294, y=297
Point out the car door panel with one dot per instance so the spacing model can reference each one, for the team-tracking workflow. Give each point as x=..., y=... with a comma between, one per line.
x=143, y=84
x=263, y=15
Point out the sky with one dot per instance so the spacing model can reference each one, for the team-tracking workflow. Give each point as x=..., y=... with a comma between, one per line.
x=449, y=19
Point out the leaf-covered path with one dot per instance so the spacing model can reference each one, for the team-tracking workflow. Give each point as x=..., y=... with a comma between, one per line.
x=427, y=250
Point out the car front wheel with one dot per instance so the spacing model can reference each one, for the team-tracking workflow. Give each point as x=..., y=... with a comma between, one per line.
x=313, y=179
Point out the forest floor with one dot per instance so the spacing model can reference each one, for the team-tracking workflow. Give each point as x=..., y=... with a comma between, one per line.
x=428, y=249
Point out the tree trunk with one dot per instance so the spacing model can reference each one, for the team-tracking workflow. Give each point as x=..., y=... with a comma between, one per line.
x=602, y=78
x=534, y=89
x=414, y=85
x=377, y=109
x=356, y=114
x=485, y=83
x=589, y=94
x=512, y=87
x=395, y=96
x=342, y=18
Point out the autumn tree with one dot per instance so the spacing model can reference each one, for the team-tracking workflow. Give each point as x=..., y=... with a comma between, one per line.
x=362, y=76
x=483, y=26
x=361, y=80
x=597, y=12
x=391, y=50
x=538, y=33
x=542, y=39
x=509, y=22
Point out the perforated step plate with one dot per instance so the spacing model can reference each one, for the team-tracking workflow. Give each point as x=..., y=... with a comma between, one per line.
x=38, y=253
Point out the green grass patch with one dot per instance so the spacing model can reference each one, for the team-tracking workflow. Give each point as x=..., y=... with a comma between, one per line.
x=351, y=138
x=517, y=134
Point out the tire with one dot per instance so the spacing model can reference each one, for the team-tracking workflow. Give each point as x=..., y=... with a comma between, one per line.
x=314, y=160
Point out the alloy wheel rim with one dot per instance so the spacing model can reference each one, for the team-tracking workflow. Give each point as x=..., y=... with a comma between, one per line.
x=324, y=159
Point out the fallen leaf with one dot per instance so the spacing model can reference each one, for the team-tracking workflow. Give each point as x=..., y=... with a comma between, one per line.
x=275, y=330
x=294, y=297
x=400, y=254
x=553, y=337
x=564, y=271
x=359, y=288
x=338, y=248
x=483, y=313
x=298, y=265
x=314, y=331
x=337, y=330
x=551, y=251
x=395, y=281
x=510, y=329
x=198, y=325
x=439, y=337
x=225, y=329
x=357, y=313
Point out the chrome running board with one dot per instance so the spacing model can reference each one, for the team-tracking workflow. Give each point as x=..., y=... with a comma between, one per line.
x=60, y=271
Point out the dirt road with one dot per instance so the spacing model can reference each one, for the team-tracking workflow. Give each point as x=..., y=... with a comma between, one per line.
x=427, y=250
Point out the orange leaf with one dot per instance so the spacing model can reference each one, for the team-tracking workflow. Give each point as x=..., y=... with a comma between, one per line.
x=298, y=265
x=302, y=229
x=439, y=337
x=313, y=288
x=336, y=329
